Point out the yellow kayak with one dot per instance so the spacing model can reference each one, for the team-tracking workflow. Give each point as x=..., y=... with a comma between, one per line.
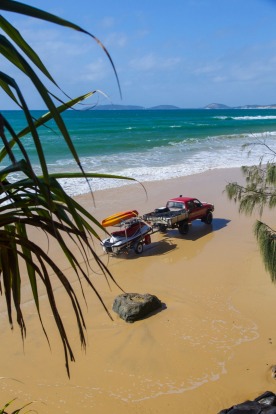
x=117, y=218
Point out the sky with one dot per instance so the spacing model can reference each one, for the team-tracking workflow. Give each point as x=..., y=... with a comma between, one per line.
x=187, y=53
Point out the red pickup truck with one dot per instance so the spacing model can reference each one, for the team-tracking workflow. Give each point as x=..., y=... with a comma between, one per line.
x=179, y=212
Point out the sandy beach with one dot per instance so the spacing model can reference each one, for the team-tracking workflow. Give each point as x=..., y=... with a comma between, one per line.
x=211, y=346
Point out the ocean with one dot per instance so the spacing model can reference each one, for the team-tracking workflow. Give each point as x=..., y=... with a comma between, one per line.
x=150, y=145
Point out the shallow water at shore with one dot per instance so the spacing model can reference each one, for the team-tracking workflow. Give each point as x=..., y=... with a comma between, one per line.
x=150, y=145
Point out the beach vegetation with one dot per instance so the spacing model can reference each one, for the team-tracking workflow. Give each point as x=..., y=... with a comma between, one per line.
x=259, y=192
x=35, y=199
x=16, y=411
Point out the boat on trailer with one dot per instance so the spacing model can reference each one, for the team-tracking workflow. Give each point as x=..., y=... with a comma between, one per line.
x=133, y=234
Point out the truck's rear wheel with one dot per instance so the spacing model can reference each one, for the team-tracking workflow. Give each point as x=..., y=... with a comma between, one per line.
x=208, y=218
x=183, y=227
x=162, y=228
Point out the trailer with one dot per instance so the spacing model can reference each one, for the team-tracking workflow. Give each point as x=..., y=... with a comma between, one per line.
x=133, y=234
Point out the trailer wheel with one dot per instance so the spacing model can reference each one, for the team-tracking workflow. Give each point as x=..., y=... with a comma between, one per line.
x=183, y=227
x=139, y=248
x=208, y=218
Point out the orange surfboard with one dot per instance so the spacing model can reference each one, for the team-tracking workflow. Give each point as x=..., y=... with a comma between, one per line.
x=117, y=218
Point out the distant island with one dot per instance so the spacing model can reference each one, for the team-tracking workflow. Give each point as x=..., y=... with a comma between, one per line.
x=216, y=106
x=162, y=107
x=133, y=107
x=116, y=107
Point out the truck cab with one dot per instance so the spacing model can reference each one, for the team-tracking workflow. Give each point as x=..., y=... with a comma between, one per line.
x=179, y=212
x=195, y=208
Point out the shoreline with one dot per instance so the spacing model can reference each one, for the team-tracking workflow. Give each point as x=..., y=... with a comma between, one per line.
x=147, y=196
x=211, y=346
x=126, y=183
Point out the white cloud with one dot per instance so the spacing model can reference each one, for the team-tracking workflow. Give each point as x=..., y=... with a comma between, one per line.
x=170, y=63
x=115, y=40
x=208, y=69
x=239, y=68
x=50, y=40
x=150, y=61
x=220, y=79
x=145, y=63
x=95, y=71
x=107, y=22
x=142, y=33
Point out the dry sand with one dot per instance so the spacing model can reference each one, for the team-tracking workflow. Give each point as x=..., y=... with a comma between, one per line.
x=211, y=346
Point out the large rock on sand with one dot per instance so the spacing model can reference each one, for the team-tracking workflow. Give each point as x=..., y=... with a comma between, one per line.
x=134, y=306
x=264, y=404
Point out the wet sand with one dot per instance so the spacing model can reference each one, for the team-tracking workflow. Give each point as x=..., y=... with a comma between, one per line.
x=211, y=346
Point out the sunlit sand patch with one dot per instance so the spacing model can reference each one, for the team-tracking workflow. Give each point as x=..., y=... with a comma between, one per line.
x=203, y=348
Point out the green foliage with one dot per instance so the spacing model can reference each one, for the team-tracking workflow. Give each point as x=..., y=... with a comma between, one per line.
x=259, y=192
x=267, y=242
x=17, y=411
x=40, y=201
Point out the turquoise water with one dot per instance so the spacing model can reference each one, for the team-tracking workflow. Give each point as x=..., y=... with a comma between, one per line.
x=152, y=144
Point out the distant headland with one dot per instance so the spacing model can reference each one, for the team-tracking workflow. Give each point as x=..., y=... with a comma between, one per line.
x=133, y=107
x=221, y=106
x=173, y=107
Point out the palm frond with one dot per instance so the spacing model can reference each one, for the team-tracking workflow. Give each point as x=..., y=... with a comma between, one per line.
x=29, y=206
x=17, y=7
x=271, y=174
x=17, y=411
x=259, y=192
x=266, y=238
x=16, y=37
x=39, y=122
x=40, y=201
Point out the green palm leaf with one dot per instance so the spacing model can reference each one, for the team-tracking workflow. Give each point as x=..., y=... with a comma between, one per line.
x=40, y=201
x=259, y=192
x=39, y=122
x=14, y=34
x=17, y=7
x=266, y=238
x=17, y=411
